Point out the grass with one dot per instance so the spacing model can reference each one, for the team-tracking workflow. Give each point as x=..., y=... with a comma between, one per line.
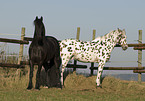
x=77, y=88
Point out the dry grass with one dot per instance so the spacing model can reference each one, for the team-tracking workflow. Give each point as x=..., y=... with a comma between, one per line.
x=77, y=87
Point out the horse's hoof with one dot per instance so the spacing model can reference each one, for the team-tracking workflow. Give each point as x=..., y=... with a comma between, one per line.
x=37, y=88
x=63, y=86
x=59, y=86
x=29, y=88
x=98, y=87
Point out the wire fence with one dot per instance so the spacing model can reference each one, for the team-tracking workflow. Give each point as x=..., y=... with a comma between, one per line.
x=7, y=56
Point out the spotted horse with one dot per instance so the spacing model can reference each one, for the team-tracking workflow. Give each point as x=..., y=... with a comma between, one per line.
x=97, y=50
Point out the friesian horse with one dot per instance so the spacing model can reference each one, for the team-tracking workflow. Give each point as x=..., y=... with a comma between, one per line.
x=44, y=51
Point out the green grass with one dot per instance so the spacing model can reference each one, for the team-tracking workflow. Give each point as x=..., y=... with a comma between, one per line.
x=77, y=88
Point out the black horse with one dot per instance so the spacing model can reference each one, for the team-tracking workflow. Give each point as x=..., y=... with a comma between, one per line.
x=44, y=51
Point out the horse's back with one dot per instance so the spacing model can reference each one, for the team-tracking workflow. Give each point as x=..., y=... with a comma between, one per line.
x=53, y=44
x=67, y=44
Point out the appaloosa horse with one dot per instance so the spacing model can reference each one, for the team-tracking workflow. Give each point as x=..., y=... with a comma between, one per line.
x=44, y=51
x=97, y=50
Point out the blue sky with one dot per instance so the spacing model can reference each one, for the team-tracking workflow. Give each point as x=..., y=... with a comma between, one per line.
x=62, y=17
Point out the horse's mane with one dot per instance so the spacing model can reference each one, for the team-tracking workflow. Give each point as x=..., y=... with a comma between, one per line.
x=102, y=37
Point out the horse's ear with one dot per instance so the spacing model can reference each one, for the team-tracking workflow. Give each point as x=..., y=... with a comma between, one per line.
x=36, y=18
x=118, y=30
x=41, y=18
x=124, y=31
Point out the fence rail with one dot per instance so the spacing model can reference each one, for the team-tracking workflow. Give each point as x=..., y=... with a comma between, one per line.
x=14, y=41
x=139, y=71
x=9, y=65
x=119, y=68
x=27, y=39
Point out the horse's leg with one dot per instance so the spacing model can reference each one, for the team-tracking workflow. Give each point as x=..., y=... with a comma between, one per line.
x=57, y=62
x=30, y=86
x=99, y=73
x=64, y=63
x=37, y=86
x=47, y=68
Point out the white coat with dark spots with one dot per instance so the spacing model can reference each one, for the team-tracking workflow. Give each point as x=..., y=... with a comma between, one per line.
x=97, y=50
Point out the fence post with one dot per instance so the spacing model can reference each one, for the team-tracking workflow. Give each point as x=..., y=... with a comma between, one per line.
x=78, y=33
x=77, y=37
x=92, y=64
x=139, y=55
x=21, y=45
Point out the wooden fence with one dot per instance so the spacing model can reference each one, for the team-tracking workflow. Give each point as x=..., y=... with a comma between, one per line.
x=25, y=40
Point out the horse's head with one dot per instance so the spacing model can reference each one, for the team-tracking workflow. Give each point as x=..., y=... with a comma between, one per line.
x=122, y=39
x=39, y=28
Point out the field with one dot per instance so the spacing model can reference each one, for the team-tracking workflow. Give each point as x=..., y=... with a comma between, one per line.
x=13, y=84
